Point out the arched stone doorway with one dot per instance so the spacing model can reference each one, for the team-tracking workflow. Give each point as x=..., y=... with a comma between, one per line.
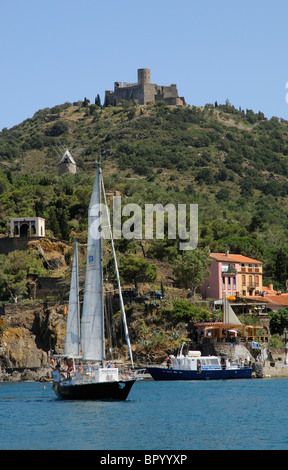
x=27, y=227
x=24, y=230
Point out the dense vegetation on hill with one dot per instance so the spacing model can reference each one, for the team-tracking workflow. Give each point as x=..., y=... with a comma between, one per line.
x=232, y=163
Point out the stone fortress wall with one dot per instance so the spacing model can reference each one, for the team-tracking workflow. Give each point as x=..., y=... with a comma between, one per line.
x=144, y=91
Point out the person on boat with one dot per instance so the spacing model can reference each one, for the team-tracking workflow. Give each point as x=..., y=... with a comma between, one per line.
x=69, y=367
x=57, y=368
x=247, y=362
x=168, y=362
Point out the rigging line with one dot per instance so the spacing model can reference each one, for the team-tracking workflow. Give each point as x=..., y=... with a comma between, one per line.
x=118, y=279
x=108, y=327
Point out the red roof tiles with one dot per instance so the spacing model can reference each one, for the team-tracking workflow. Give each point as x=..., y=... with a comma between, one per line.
x=280, y=300
x=231, y=258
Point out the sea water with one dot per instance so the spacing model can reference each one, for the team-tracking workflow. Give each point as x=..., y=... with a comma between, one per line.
x=183, y=415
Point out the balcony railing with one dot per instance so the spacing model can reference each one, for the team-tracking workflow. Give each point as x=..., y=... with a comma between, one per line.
x=250, y=270
x=230, y=271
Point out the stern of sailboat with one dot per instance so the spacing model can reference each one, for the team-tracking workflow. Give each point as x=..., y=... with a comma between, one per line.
x=94, y=391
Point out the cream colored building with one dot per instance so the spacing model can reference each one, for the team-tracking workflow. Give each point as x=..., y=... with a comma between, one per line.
x=250, y=276
x=27, y=227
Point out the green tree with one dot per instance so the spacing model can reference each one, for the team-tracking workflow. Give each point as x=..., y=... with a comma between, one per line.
x=190, y=269
x=15, y=271
x=63, y=221
x=223, y=194
x=205, y=175
x=27, y=262
x=164, y=250
x=281, y=268
x=53, y=223
x=98, y=100
x=137, y=270
x=244, y=245
x=185, y=311
x=278, y=321
x=86, y=102
x=13, y=286
x=58, y=128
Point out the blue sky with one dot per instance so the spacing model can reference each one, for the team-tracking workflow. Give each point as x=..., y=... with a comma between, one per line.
x=64, y=50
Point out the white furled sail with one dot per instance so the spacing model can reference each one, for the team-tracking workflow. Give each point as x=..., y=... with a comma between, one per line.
x=229, y=317
x=72, y=340
x=92, y=322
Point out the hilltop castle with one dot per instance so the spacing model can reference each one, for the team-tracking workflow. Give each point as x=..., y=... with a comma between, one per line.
x=143, y=91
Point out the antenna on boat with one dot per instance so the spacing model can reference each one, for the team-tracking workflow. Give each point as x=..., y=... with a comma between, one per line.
x=181, y=350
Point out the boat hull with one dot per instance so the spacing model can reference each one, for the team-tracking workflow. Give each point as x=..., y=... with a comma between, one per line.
x=159, y=373
x=116, y=390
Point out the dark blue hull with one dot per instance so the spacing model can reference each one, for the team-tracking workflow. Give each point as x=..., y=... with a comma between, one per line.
x=159, y=373
x=94, y=391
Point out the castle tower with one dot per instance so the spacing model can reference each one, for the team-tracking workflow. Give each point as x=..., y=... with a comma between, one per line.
x=144, y=77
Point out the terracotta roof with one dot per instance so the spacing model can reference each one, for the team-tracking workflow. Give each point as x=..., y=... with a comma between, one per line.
x=233, y=258
x=268, y=290
x=273, y=299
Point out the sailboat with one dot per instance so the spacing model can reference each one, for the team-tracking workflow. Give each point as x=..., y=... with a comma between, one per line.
x=89, y=375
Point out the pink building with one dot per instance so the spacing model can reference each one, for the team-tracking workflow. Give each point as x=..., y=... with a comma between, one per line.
x=232, y=275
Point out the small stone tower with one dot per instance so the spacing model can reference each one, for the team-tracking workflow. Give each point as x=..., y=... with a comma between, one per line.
x=144, y=77
x=67, y=164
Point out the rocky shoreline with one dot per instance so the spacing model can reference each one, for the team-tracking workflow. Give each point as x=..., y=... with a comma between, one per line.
x=29, y=332
x=44, y=374
x=26, y=375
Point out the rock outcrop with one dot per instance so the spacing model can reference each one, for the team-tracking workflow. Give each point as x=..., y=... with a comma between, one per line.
x=28, y=333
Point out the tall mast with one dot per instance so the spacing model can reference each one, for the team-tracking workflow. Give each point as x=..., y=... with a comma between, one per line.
x=77, y=301
x=126, y=332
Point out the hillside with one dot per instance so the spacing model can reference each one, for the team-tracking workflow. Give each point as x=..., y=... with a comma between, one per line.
x=232, y=163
